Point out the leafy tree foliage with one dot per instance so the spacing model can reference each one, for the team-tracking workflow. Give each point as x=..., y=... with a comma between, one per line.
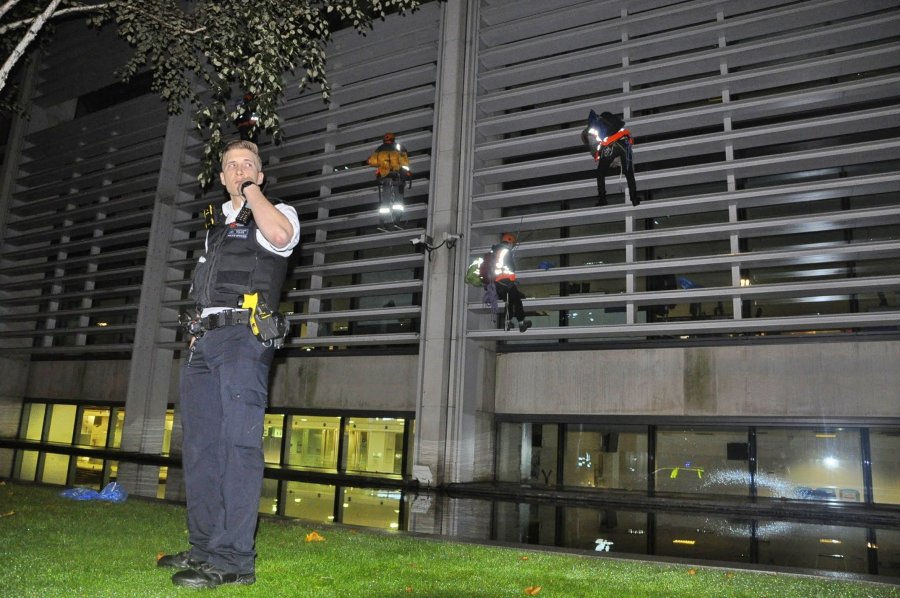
x=204, y=54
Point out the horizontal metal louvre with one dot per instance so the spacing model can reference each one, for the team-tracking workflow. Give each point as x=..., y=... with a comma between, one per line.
x=767, y=154
x=767, y=146
x=78, y=225
x=352, y=284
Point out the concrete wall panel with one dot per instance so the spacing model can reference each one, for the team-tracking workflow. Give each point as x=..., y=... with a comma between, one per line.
x=789, y=380
x=78, y=380
x=358, y=383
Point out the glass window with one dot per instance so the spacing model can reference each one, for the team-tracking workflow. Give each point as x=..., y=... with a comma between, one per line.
x=94, y=427
x=27, y=465
x=509, y=453
x=371, y=507
x=527, y=453
x=810, y=464
x=313, y=441
x=605, y=457
x=167, y=431
x=811, y=546
x=92, y=432
x=273, y=430
x=268, y=498
x=56, y=469
x=885, y=450
x=32, y=424
x=312, y=502
x=702, y=461
x=118, y=422
x=374, y=445
x=161, y=487
x=60, y=430
x=888, y=550
x=30, y=428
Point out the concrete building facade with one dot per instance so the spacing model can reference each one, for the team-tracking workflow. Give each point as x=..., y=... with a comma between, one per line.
x=754, y=289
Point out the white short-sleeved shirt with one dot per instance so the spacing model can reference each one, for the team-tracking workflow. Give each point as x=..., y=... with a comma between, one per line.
x=289, y=212
x=231, y=213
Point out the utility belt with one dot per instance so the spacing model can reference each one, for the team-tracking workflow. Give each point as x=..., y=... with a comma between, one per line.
x=230, y=317
x=198, y=326
x=270, y=327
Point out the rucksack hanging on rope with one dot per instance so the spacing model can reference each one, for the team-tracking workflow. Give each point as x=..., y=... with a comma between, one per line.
x=473, y=274
x=481, y=271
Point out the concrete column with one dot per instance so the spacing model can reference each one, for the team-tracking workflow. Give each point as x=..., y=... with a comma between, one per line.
x=445, y=408
x=151, y=366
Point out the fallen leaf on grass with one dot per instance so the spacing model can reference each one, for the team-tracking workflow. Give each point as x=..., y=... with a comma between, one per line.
x=524, y=558
x=314, y=537
x=409, y=589
x=533, y=590
x=729, y=574
x=692, y=572
x=8, y=514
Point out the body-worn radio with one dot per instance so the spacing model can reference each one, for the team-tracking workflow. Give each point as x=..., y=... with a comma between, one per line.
x=212, y=216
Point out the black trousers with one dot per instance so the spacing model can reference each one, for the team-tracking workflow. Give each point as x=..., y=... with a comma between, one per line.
x=223, y=402
x=508, y=290
x=620, y=149
x=391, y=206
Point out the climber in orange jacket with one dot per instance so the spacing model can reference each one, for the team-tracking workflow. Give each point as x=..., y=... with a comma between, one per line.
x=392, y=172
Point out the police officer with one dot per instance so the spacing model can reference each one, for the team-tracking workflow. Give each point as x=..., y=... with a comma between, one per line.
x=224, y=383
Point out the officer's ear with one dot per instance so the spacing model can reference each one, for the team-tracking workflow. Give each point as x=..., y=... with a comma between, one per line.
x=222, y=178
x=259, y=178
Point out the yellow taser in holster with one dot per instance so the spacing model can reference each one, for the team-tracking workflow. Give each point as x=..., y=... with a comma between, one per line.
x=266, y=324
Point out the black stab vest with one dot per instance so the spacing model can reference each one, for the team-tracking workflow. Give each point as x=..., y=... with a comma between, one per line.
x=235, y=265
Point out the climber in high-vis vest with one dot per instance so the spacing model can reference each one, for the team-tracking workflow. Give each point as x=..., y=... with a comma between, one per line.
x=392, y=172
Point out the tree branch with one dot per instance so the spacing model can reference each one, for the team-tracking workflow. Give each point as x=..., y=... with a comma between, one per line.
x=59, y=13
x=32, y=32
x=93, y=7
x=167, y=24
x=5, y=8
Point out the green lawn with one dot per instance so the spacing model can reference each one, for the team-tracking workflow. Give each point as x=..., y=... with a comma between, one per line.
x=52, y=546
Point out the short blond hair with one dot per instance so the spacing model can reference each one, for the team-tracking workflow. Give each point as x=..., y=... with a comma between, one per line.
x=242, y=144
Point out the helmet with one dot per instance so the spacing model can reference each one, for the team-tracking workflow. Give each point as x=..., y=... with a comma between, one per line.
x=388, y=138
x=508, y=238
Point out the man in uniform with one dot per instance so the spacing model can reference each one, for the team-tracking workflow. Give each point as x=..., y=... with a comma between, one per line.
x=224, y=382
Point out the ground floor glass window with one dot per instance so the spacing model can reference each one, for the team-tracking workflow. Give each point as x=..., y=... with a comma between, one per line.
x=885, y=450
x=810, y=464
x=605, y=457
x=702, y=461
